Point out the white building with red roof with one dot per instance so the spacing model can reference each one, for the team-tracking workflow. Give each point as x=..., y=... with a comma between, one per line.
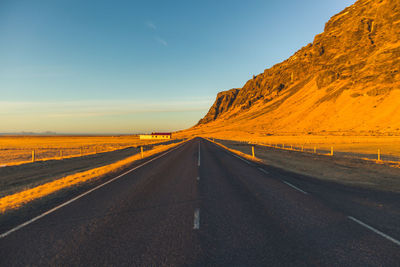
x=155, y=136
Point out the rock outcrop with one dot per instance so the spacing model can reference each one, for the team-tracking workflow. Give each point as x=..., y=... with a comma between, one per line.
x=222, y=104
x=353, y=67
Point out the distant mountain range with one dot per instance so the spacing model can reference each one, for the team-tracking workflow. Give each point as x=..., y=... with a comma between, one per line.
x=346, y=80
x=30, y=133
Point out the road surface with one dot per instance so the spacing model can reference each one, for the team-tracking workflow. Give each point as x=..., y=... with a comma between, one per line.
x=199, y=205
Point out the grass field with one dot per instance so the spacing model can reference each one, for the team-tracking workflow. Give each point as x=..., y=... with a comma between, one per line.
x=338, y=169
x=21, y=184
x=18, y=149
x=360, y=146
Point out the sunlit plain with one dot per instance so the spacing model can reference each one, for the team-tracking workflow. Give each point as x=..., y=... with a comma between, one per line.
x=359, y=146
x=16, y=200
x=18, y=149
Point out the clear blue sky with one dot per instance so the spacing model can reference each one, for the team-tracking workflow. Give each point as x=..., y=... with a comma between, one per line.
x=77, y=66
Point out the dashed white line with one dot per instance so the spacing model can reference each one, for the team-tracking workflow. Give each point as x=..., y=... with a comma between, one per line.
x=196, y=224
x=240, y=158
x=198, y=161
x=264, y=171
x=397, y=242
x=81, y=195
x=295, y=187
x=233, y=154
x=198, y=178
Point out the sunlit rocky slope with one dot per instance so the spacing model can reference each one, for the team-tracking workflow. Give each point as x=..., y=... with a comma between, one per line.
x=346, y=81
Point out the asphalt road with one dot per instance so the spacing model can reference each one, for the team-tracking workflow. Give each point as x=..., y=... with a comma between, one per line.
x=199, y=205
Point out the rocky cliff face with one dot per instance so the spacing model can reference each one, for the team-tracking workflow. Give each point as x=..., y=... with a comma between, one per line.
x=355, y=61
x=222, y=104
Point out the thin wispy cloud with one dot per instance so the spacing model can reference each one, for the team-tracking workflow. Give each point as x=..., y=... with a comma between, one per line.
x=161, y=41
x=151, y=25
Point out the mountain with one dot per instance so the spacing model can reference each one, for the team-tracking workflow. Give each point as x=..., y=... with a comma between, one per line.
x=346, y=81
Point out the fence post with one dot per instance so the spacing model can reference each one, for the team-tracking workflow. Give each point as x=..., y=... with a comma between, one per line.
x=331, y=150
x=33, y=155
x=81, y=151
x=379, y=155
x=302, y=148
x=315, y=149
x=283, y=146
x=252, y=151
x=291, y=147
x=141, y=150
x=61, y=154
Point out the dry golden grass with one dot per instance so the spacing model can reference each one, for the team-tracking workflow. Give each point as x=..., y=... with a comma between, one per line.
x=339, y=169
x=237, y=152
x=18, y=149
x=16, y=200
x=351, y=124
x=354, y=144
x=303, y=111
x=389, y=146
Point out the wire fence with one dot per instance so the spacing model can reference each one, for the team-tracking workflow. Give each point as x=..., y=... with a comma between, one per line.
x=355, y=151
x=332, y=151
x=17, y=156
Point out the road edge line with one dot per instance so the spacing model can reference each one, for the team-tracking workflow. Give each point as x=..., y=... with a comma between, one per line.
x=376, y=231
x=261, y=169
x=18, y=227
x=230, y=152
x=295, y=187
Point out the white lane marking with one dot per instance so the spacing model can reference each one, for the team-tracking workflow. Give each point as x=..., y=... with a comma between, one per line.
x=397, y=242
x=198, y=161
x=233, y=154
x=198, y=178
x=196, y=224
x=81, y=195
x=240, y=158
x=264, y=171
x=295, y=187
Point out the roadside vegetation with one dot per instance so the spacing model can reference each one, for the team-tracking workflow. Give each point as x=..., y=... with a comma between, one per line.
x=15, y=150
x=338, y=168
x=39, y=188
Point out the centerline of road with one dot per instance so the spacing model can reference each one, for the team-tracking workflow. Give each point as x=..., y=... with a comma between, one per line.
x=196, y=223
x=198, y=160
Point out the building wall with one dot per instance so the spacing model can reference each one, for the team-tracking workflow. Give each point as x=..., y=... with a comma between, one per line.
x=149, y=136
x=161, y=137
